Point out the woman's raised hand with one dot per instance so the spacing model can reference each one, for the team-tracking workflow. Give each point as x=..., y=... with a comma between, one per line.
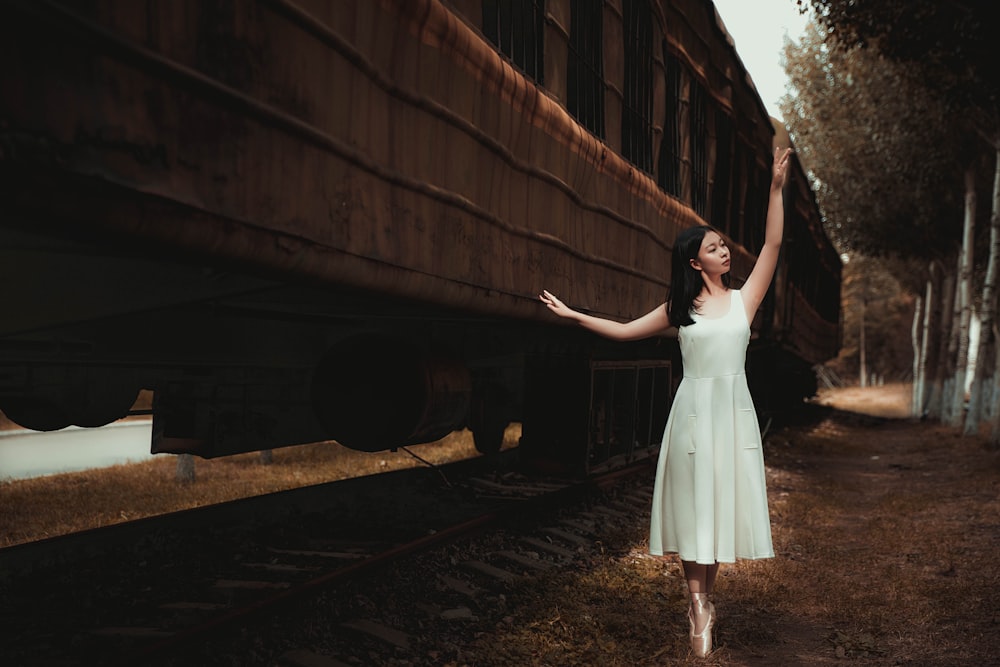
x=554, y=304
x=779, y=171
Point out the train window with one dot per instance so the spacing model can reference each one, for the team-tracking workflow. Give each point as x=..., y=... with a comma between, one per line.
x=753, y=211
x=585, y=77
x=722, y=183
x=669, y=178
x=516, y=27
x=736, y=208
x=699, y=148
x=637, y=111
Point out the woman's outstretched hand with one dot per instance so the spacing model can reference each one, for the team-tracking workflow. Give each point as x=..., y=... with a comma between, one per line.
x=555, y=305
x=779, y=170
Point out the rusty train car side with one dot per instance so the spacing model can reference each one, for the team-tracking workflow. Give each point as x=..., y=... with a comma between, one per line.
x=298, y=220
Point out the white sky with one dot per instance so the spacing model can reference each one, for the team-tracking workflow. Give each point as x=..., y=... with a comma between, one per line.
x=758, y=27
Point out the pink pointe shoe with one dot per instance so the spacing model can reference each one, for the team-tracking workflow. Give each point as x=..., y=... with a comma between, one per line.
x=701, y=610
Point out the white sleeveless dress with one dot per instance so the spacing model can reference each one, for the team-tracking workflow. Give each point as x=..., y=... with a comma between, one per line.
x=710, y=498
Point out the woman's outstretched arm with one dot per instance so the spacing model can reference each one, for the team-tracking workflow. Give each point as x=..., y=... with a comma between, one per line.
x=653, y=323
x=755, y=288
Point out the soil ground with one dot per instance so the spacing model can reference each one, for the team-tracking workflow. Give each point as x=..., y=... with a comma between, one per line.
x=886, y=532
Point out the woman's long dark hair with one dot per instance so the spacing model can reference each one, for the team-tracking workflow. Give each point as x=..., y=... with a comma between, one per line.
x=685, y=280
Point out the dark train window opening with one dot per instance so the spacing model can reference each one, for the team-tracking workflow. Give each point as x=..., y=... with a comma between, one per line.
x=585, y=75
x=517, y=28
x=670, y=159
x=637, y=103
x=699, y=148
x=722, y=184
x=736, y=202
x=629, y=404
x=756, y=207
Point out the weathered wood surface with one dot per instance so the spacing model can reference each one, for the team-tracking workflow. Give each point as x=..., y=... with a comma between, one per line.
x=384, y=146
x=381, y=145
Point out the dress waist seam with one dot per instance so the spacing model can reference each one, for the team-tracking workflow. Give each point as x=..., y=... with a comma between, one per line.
x=710, y=377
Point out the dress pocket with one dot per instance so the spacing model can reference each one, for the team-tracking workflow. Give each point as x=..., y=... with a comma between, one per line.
x=747, y=431
x=692, y=429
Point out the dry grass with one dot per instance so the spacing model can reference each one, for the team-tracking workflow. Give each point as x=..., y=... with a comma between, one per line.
x=891, y=400
x=34, y=509
x=886, y=536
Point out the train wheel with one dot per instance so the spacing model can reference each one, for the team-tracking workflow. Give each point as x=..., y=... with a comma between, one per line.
x=488, y=418
x=488, y=438
x=80, y=407
x=37, y=414
x=110, y=405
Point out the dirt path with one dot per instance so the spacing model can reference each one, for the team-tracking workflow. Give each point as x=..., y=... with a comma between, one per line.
x=889, y=531
x=887, y=534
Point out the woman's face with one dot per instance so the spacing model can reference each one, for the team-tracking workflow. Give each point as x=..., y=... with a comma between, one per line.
x=713, y=256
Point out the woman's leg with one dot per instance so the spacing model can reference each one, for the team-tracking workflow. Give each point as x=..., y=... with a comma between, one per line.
x=710, y=573
x=700, y=578
x=701, y=614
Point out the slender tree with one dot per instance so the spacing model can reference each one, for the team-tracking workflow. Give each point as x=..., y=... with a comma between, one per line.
x=944, y=368
x=915, y=344
x=964, y=301
x=923, y=343
x=987, y=344
x=876, y=144
x=951, y=46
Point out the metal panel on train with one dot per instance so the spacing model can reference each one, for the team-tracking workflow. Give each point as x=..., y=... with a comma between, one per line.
x=228, y=202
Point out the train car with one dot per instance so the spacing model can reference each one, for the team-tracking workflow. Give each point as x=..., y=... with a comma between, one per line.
x=308, y=220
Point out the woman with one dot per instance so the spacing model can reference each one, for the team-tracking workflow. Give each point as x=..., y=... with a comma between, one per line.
x=710, y=500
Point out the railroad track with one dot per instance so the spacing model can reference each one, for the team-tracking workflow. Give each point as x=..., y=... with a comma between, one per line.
x=160, y=591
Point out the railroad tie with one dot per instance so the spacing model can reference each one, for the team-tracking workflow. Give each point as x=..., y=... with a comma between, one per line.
x=133, y=633
x=193, y=606
x=490, y=570
x=586, y=527
x=454, y=614
x=548, y=546
x=638, y=498
x=431, y=610
x=344, y=555
x=606, y=513
x=507, y=489
x=630, y=509
x=385, y=634
x=568, y=536
x=244, y=584
x=301, y=657
x=459, y=586
x=280, y=567
x=527, y=561
x=458, y=614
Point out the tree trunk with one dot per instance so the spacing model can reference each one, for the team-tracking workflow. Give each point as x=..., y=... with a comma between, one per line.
x=921, y=407
x=862, y=361
x=984, y=369
x=955, y=316
x=185, y=468
x=915, y=332
x=965, y=302
x=995, y=435
x=943, y=369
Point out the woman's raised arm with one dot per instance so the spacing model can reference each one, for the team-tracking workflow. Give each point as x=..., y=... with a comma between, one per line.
x=653, y=323
x=755, y=287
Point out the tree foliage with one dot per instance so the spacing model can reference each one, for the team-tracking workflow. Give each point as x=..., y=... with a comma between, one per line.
x=871, y=290
x=936, y=59
x=879, y=147
x=952, y=43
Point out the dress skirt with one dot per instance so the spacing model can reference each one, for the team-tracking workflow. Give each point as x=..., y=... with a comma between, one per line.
x=710, y=496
